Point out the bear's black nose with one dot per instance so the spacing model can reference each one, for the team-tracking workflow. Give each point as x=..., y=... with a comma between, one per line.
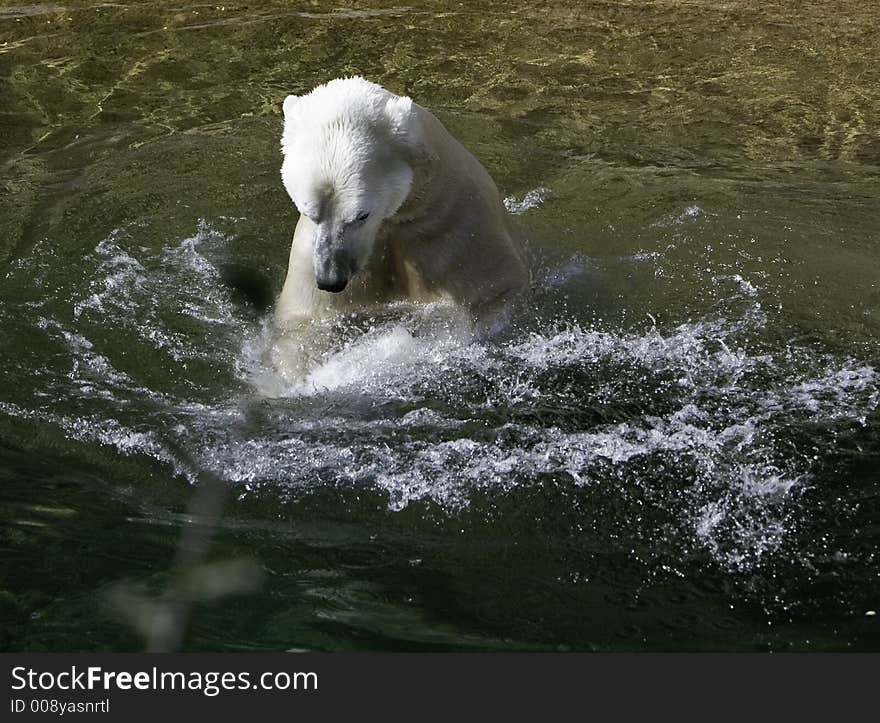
x=333, y=288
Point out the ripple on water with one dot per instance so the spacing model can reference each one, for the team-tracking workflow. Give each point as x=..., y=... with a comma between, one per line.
x=714, y=428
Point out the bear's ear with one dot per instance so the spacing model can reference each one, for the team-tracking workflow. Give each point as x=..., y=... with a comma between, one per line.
x=290, y=103
x=405, y=123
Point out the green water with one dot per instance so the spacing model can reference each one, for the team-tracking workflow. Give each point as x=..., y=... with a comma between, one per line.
x=675, y=448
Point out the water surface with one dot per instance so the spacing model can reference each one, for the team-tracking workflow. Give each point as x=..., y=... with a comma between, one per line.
x=675, y=447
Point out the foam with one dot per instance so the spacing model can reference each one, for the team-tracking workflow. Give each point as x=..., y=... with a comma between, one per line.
x=404, y=402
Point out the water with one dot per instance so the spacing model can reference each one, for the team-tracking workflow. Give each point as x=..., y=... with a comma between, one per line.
x=674, y=447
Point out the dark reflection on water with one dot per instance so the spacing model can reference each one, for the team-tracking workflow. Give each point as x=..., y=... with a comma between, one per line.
x=676, y=447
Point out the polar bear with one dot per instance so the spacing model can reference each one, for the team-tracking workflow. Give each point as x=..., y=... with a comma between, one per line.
x=391, y=207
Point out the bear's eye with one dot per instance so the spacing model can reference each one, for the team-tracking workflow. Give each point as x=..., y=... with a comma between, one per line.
x=310, y=212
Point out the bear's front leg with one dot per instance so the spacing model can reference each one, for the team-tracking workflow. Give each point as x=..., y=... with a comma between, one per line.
x=300, y=298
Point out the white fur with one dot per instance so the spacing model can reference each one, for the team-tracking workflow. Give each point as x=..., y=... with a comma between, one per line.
x=436, y=227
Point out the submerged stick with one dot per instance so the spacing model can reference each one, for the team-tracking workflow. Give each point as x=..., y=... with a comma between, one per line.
x=172, y=617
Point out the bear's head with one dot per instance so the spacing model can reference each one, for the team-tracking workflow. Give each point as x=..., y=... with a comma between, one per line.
x=348, y=151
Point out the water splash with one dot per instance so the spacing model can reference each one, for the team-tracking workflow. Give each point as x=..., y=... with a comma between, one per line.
x=532, y=199
x=141, y=288
x=711, y=428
